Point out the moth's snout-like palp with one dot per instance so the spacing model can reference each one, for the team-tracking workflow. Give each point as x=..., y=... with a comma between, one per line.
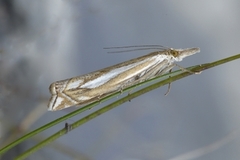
x=186, y=52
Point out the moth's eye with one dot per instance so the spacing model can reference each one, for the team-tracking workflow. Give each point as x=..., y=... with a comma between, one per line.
x=174, y=53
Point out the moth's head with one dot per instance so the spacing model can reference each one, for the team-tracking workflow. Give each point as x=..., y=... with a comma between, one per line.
x=179, y=54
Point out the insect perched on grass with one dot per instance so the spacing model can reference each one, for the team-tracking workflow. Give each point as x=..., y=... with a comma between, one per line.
x=91, y=87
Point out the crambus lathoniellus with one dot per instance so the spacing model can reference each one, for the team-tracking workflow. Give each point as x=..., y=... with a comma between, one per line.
x=99, y=84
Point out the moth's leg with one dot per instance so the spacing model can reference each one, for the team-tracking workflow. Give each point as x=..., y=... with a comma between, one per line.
x=129, y=100
x=169, y=85
x=68, y=127
x=187, y=70
x=160, y=69
x=125, y=86
x=121, y=89
x=130, y=92
x=150, y=73
x=154, y=71
x=99, y=97
x=170, y=69
x=165, y=70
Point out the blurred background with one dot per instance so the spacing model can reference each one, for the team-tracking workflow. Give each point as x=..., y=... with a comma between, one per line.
x=45, y=41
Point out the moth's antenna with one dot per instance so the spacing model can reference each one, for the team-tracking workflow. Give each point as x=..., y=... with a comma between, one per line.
x=136, y=48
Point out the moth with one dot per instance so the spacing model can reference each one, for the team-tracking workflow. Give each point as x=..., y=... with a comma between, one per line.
x=93, y=86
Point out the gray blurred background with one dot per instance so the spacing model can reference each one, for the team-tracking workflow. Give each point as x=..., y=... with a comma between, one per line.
x=45, y=41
